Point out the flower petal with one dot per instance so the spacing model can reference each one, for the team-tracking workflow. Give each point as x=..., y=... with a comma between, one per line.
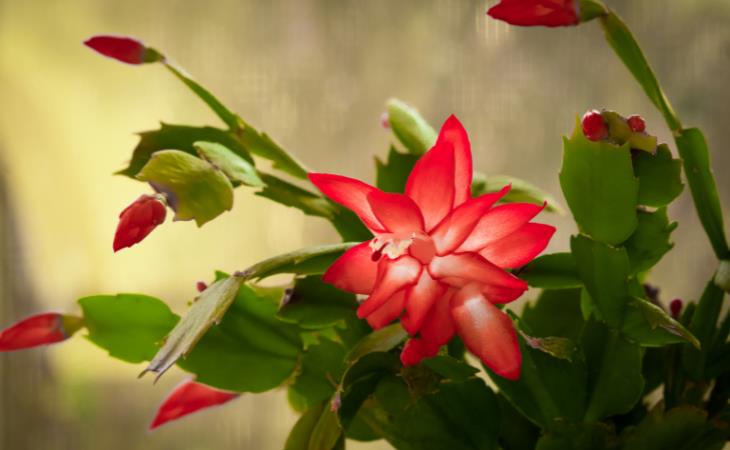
x=354, y=271
x=397, y=212
x=420, y=299
x=350, y=193
x=438, y=328
x=461, y=268
x=413, y=352
x=393, y=275
x=389, y=311
x=453, y=133
x=37, y=330
x=487, y=332
x=431, y=184
x=138, y=220
x=498, y=223
x=520, y=247
x=121, y=48
x=458, y=225
x=188, y=398
x=550, y=13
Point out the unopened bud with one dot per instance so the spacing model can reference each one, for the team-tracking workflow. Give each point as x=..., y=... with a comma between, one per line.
x=385, y=120
x=138, y=220
x=201, y=286
x=636, y=123
x=675, y=308
x=594, y=126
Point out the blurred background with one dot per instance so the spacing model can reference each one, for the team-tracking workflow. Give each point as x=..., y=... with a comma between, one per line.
x=315, y=75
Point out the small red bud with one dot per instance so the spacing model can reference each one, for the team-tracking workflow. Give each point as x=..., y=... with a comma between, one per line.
x=201, y=286
x=37, y=330
x=336, y=402
x=675, y=307
x=188, y=398
x=138, y=220
x=594, y=126
x=385, y=121
x=636, y=123
x=121, y=48
x=530, y=13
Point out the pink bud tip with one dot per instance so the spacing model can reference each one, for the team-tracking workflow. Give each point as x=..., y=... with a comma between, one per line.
x=122, y=49
x=529, y=13
x=385, y=121
x=636, y=123
x=594, y=126
x=138, y=220
x=187, y=398
x=675, y=307
x=201, y=286
x=37, y=330
x=336, y=402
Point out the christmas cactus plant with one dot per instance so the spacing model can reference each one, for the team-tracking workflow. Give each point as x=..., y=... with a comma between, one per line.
x=403, y=331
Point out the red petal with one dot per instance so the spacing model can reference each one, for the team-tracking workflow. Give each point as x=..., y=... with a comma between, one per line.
x=469, y=267
x=458, y=225
x=438, y=328
x=431, y=184
x=549, y=13
x=413, y=352
x=520, y=247
x=498, y=223
x=354, y=271
x=188, y=398
x=393, y=275
x=40, y=329
x=397, y=212
x=138, y=220
x=350, y=193
x=419, y=300
x=390, y=311
x=453, y=133
x=487, y=332
x=122, y=49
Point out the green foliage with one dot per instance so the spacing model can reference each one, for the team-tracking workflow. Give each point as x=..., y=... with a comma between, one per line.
x=411, y=129
x=288, y=194
x=660, y=180
x=650, y=326
x=650, y=241
x=520, y=191
x=392, y=175
x=313, y=304
x=194, y=188
x=555, y=313
x=584, y=436
x=704, y=326
x=179, y=137
x=129, y=326
x=237, y=169
x=599, y=184
x=552, y=271
x=260, y=144
x=316, y=429
x=681, y=428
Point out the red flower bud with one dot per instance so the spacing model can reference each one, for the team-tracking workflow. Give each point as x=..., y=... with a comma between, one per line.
x=385, y=121
x=594, y=126
x=201, y=286
x=138, y=220
x=40, y=329
x=188, y=398
x=123, y=49
x=675, y=307
x=636, y=123
x=528, y=13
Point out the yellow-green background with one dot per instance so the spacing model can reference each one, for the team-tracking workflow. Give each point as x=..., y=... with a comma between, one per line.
x=315, y=76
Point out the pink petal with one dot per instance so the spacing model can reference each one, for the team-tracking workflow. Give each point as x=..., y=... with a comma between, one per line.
x=438, y=328
x=350, y=193
x=188, y=398
x=487, y=332
x=469, y=267
x=453, y=133
x=393, y=275
x=397, y=212
x=354, y=271
x=389, y=311
x=420, y=299
x=498, y=223
x=458, y=225
x=431, y=184
x=520, y=247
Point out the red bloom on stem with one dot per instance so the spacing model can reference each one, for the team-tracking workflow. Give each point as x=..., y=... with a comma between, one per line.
x=37, y=330
x=528, y=13
x=439, y=255
x=187, y=398
x=636, y=123
x=138, y=220
x=594, y=125
x=124, y=49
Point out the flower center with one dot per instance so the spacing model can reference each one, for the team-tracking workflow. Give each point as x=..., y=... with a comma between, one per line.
x=394, y=245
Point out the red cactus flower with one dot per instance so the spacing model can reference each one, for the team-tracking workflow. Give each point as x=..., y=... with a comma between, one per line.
x=439, y=254
x=37, y=330
x=187, y=398
x=138, y=220
x=528, y=13
x=636, y=123
x=124, y=49
x=594, y=125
